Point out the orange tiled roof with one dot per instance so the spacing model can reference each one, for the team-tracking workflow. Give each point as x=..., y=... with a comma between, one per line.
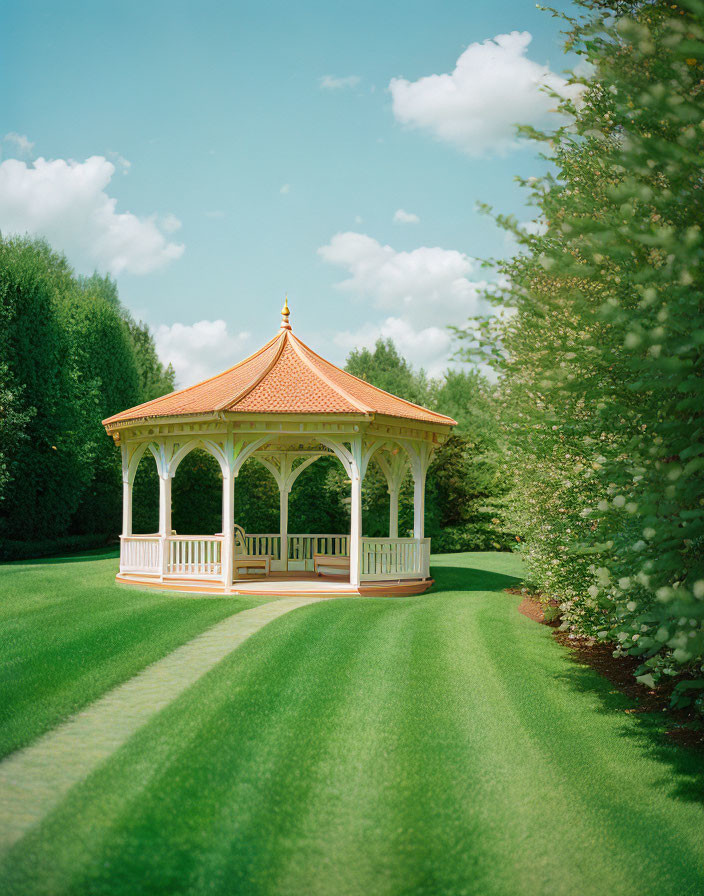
x=283, y=377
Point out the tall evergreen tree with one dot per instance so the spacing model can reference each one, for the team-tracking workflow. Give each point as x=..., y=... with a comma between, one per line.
x=42, y=460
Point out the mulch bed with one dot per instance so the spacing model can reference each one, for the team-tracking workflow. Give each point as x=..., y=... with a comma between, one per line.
x=620, y=671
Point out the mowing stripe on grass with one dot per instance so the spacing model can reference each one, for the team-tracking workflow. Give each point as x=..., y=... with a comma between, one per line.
x=34, y=780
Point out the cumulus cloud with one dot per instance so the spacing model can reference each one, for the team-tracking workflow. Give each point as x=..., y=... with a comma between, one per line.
x=330, y=82
x=427, y=347
x=21, y=144
x=403, y=217
x=422, y=286
x=201, y=350
x=493, y=87
x=413, y=289
x=66, y=202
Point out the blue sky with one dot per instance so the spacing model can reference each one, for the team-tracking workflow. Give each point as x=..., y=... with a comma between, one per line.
x=244, y=150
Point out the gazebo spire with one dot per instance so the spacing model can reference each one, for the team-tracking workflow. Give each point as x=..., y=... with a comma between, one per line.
x=285, y=325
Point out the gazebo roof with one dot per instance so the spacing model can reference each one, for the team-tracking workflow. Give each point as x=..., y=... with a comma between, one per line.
x=284, y=377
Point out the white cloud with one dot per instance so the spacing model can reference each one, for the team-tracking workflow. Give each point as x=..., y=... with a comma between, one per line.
x=422, y=286
x=330, y=82
x=427, y=347
x=170, y=223
x=420, y=292
x=285, y=189
x=493, y=87
x=65, y=202
x=23, y=145
x=403, y=217
x=198, y=351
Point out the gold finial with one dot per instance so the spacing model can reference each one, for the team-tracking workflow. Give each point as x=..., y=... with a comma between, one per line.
x=285, y=325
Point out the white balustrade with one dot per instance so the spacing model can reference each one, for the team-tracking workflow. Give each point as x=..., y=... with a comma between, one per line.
x=263, y=546
x=395, y=558
x=302, y=547
x=140, y=553
x=200, y=556
x=195, y=556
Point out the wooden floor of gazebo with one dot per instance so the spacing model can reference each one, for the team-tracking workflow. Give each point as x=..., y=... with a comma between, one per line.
x=281, y=584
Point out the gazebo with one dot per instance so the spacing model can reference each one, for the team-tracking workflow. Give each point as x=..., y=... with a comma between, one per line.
x=286, y=407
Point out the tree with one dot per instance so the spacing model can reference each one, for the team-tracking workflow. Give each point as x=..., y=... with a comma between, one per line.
x=41, y=460
x=602, y=359
x=71, y=355
x=103, y=366
x=154, y=378
x=197, y=495
x=387, y=370
x=464, y=483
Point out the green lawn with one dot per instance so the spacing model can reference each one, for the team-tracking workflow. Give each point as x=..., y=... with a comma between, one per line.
x=441, y=744
x=69, y=634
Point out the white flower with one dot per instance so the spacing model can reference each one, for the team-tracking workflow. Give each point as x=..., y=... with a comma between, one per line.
x=603, y=576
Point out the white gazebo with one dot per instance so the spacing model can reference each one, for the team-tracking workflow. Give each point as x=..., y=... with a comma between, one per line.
x=286, y=407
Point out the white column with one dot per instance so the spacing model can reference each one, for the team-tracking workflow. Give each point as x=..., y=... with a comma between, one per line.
x=393, y=511
x=228, y=528
x=355, y=528
x=164, y=519
x=284, y=492
x=126, y=500
x=126, y=507
x=418, y=502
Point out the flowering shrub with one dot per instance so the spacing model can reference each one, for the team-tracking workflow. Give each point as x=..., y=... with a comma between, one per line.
x=601, y=389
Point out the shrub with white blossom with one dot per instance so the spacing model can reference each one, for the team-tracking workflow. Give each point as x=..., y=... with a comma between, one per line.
x=602, y=362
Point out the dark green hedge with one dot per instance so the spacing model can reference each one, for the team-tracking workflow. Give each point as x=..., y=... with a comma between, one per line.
x=48, y=547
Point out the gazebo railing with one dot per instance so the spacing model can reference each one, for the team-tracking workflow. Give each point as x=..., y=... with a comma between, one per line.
x=140, y=553
x=300, y=548
x=263, y=546
x=395, y=558
x=200, y=556
x=195, y=556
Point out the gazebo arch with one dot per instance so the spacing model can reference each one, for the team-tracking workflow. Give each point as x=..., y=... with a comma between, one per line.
x=286, y=407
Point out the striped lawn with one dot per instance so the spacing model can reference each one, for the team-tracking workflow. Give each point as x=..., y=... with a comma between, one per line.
x=435, y=745
x=68, y=634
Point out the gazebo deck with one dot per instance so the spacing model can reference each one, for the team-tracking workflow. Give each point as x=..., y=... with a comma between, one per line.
x=281, y=584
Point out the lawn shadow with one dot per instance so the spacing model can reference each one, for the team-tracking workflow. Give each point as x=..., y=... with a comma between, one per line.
x=102, y=553
x=467, y=578
x=683, y=767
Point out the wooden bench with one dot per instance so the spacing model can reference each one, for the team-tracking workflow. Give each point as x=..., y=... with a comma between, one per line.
x=330, y=561
x=248, y=561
